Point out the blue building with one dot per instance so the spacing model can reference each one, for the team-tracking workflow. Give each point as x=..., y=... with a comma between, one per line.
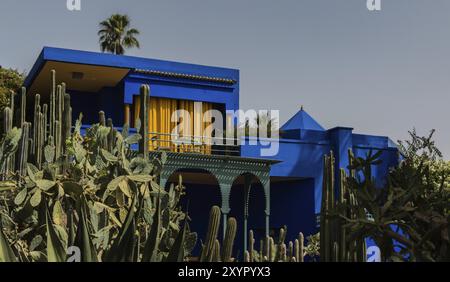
x=263, y=193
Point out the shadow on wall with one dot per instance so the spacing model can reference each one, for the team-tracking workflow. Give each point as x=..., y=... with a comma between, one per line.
x=292, y=204
x=198, y=201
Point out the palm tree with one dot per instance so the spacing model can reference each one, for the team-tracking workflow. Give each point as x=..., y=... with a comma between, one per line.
x=116, y=35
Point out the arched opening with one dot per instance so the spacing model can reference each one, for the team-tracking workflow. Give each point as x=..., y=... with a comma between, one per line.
x=255, y=198
x=202, y=192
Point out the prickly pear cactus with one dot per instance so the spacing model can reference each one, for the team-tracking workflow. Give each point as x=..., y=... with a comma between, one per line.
x=91, y=191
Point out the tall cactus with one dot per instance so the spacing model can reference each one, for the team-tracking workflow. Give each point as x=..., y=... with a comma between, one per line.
x=57, y=139
x=102, y=118
x=24, y=147
x=111, y=134
x=39, y=144
x=7, y=126
x=67, y=120
x=301, y=248
x=52, y=116
x=37, y=99
x=251, y=244
x=211, y=234
x=45, y=121
x=11, y=103
x=59, y=114
x=333, y=239
x=230, y=234
x=327, y=191
x=23, y=105
x=143, y=116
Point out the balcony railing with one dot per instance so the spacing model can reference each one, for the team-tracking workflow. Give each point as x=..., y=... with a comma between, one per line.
x=187, y=144
x=194, y=144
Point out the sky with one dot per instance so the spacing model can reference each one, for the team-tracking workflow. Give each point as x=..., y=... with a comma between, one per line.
x=381, y=73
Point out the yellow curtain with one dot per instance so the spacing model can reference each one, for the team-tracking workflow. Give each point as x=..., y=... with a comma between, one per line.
x=161, y=126
x=206, y=121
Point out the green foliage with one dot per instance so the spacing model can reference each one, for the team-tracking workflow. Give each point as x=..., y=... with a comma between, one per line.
x=115, y=35
x=338, y=241
x=411, y=212
x=264, y=121
x=269, y=250
x=60, y=189
x=312, y=248
x=10, y=82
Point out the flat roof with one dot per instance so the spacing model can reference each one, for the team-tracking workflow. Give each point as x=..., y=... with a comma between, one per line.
x=119, y=66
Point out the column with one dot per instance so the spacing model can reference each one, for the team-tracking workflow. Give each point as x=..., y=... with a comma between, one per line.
x=267, y=211
x=225, y=189
x=247, y=187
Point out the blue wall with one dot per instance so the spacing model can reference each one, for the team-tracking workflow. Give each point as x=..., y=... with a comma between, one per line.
x=109, y=100
x=301, y=156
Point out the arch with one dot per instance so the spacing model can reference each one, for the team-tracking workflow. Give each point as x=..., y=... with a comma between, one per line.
x=248, y=201
x=202, y=192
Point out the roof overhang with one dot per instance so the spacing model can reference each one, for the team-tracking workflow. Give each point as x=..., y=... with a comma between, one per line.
x=78, y=77
x=91, y=71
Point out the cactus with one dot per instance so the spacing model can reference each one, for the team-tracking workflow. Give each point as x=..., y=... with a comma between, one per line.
x=59, y=103
x=23, y=105
x=283, y=254
x=45, y=121
x=111, y=134
x=39, y=144
x=102, y=118
x=58, y=140
x=229, y=240
x=216, y=251
x=144, y=142
x=35, y=146
x=11, y=106
x=7, y=127
x=211, y=234
x=24, y=147
x=246, y=256
x=328, y=186
x=67, y=120
x=333, y=241
x=37, y=99
x=267, y=248
x=290, y=250
x=52, y=116
x=251, y=243
x=272, y=249
x=301, y=249
x=261, y=250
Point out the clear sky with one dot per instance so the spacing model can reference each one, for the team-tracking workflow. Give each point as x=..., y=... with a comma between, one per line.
x=381, y=72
